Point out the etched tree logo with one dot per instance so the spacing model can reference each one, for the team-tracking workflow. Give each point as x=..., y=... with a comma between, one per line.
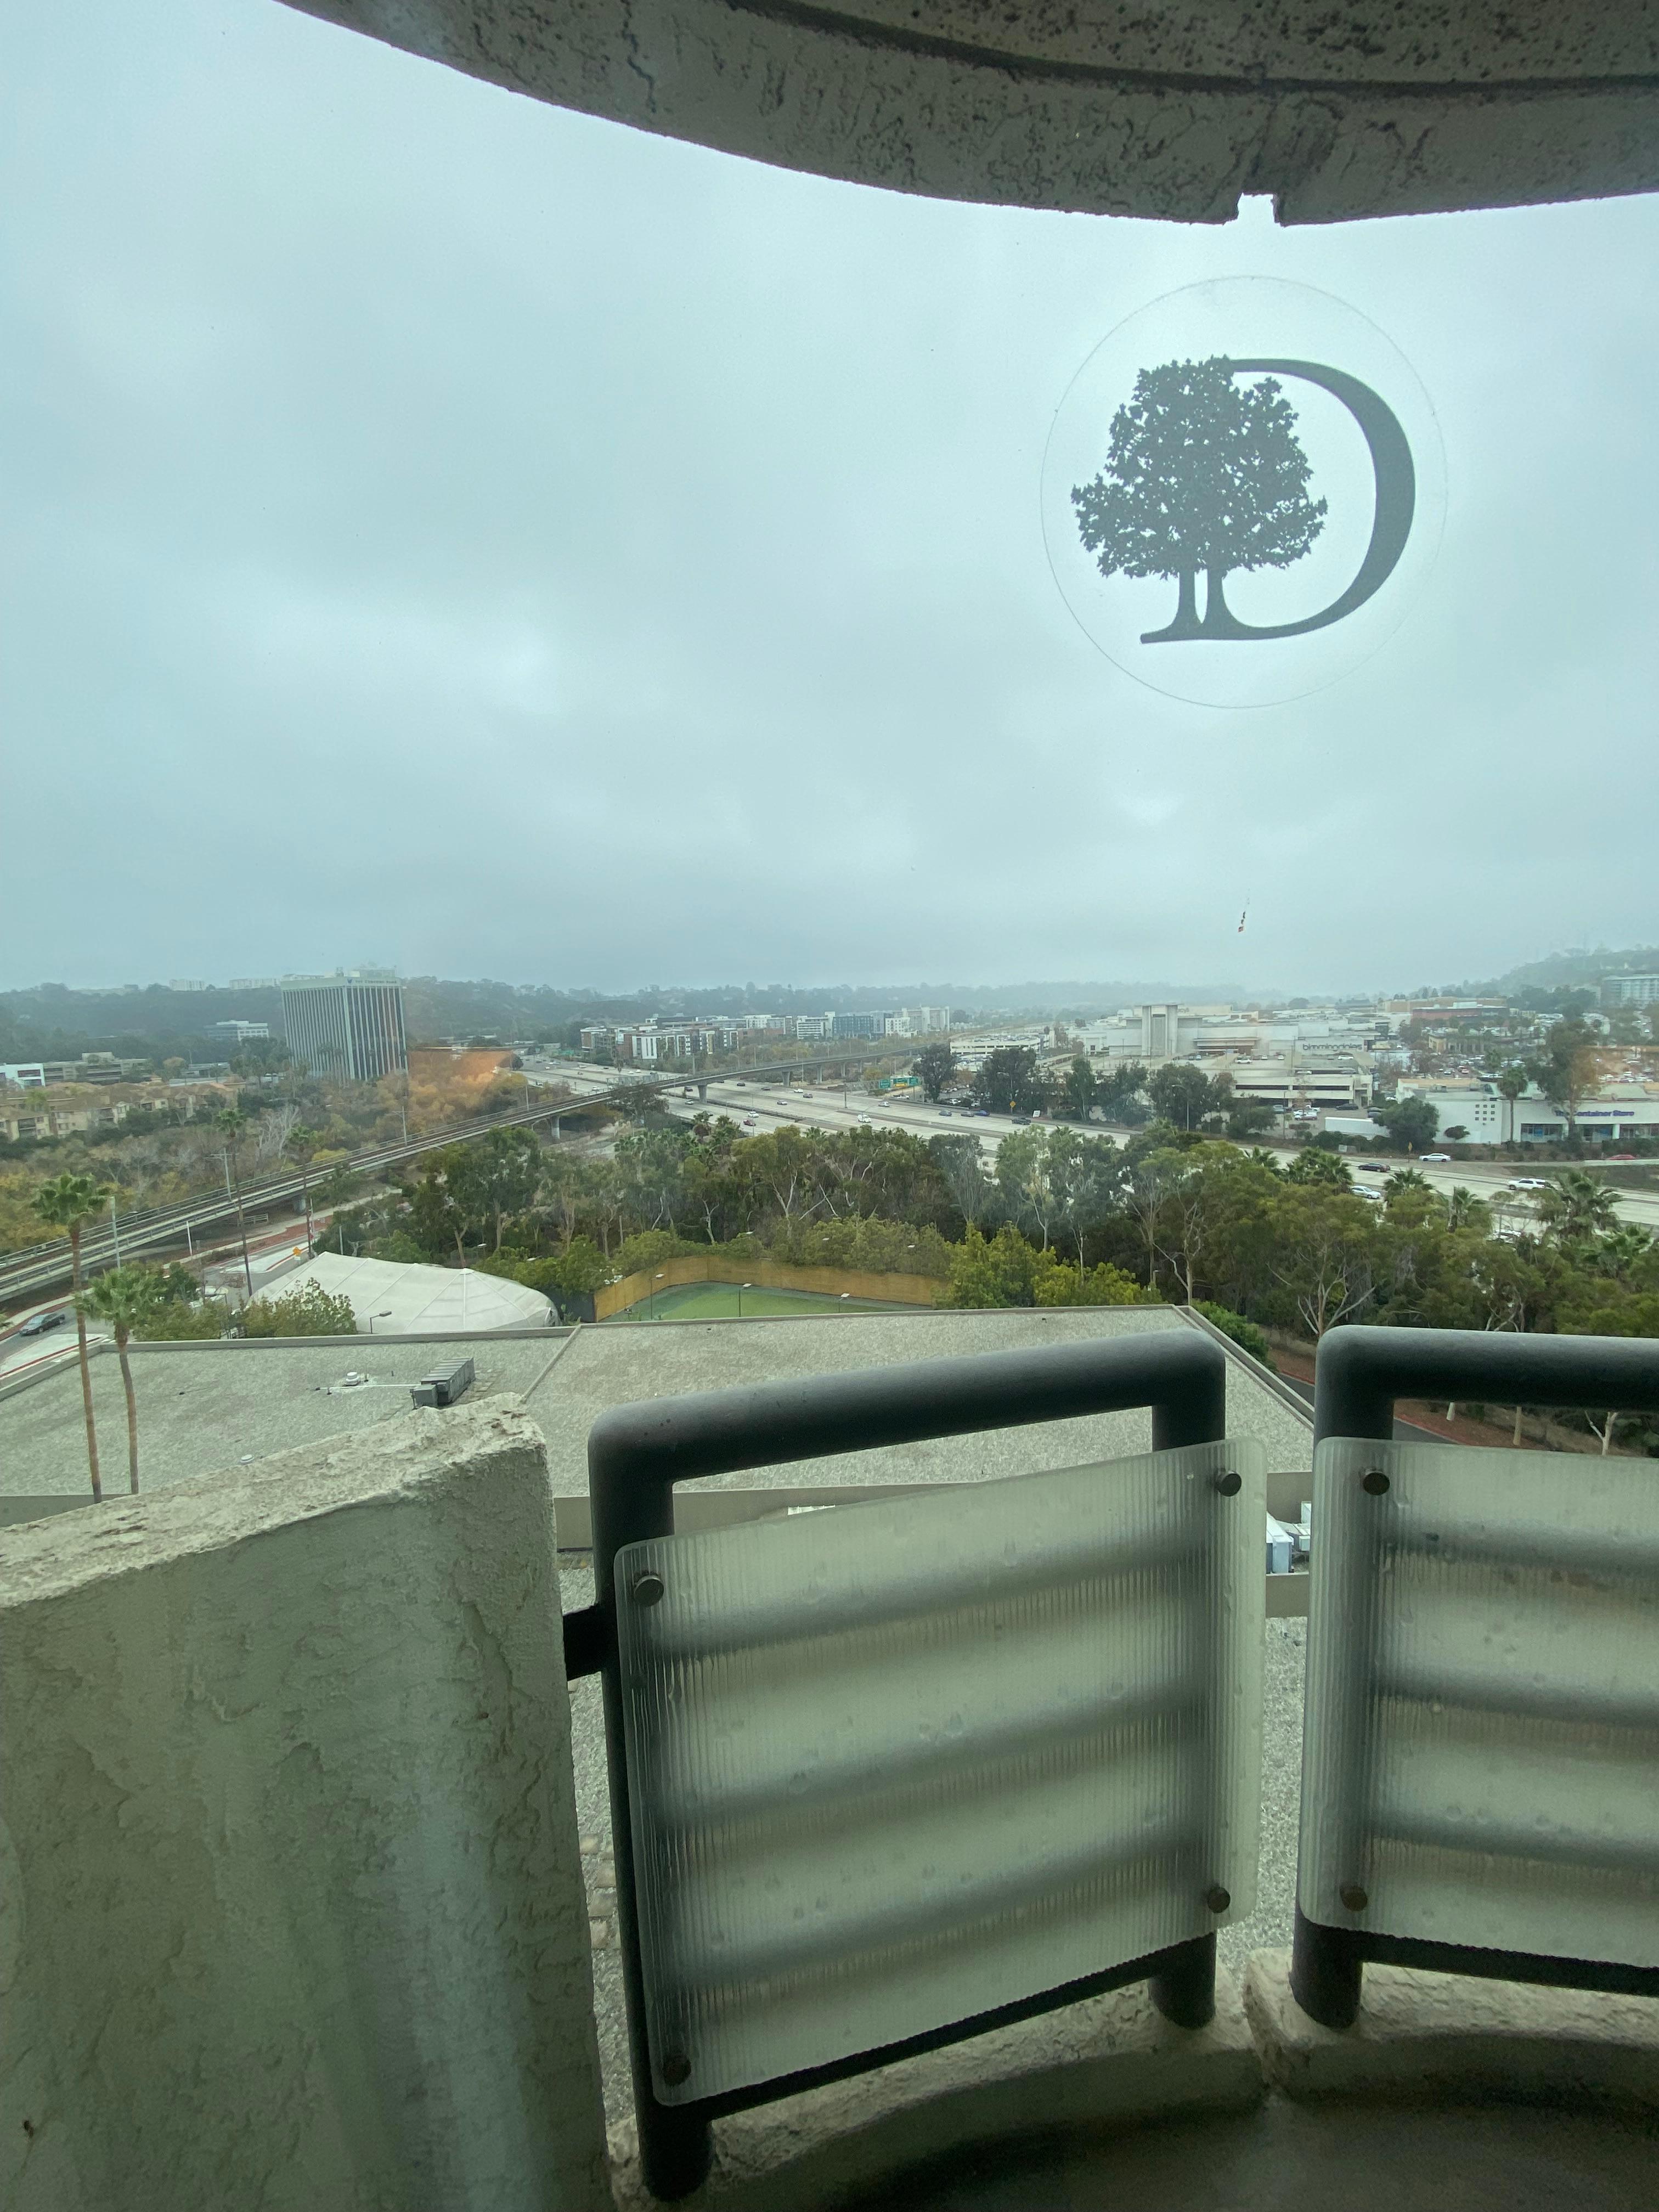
x=1202, y=473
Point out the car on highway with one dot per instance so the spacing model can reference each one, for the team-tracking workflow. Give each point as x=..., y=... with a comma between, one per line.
x=1436, y=1159
x=945, y=1111
x=1367, y=1190
x=983, y=1112
x=38, y=1324
x=1527, y=1182
x=1621, y=1156
x=1375, y=1167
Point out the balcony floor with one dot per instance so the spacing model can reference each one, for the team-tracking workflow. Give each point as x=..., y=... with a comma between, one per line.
x=1289, y=2157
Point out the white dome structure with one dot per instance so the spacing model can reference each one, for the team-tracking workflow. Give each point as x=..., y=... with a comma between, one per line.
x=391, y=1298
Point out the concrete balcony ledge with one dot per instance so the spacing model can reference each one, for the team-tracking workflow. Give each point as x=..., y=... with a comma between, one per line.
x=1430, y=2038
x=291, y=1910
x=1110, y=2062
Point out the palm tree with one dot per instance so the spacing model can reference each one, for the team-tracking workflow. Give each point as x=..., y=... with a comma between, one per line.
x=1578, y=1207
x=230, y=1122
x=1404, y=1179
x=69, y=1202
x=1621, y=1248
x=1464, y=1210
x=122, y=1298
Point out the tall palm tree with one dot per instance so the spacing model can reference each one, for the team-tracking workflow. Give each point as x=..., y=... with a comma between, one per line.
x=69, y=1202
x=122, y=1298
x=230, y=1122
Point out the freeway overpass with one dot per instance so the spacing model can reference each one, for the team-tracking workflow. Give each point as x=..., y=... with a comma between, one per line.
x=45, y=1268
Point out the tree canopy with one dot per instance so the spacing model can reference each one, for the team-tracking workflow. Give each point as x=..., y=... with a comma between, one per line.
x=1203, y=472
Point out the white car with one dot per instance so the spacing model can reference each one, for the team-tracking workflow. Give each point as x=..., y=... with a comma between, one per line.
x=1527, y=1182
x=1436, y=1159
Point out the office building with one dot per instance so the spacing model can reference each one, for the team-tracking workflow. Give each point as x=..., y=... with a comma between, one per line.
x=348, y=1025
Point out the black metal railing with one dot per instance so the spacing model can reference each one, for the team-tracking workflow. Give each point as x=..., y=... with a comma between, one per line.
x=1359, y=1374
x=637, y=1456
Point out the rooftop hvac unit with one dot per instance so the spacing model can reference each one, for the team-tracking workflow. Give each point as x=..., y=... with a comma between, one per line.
x=445, y=1386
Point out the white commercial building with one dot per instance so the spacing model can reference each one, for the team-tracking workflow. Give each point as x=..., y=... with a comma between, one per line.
x=1630, y=990
x=1622, y=1109
x=1155, y=1033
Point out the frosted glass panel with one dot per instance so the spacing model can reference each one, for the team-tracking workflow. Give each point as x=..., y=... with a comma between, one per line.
x=1481, y=1761
x=895, y=1764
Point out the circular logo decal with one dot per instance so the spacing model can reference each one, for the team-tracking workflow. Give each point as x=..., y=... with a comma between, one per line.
x=1243, y=491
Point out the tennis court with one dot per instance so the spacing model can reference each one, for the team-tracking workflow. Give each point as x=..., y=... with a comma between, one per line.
x=728, y=1301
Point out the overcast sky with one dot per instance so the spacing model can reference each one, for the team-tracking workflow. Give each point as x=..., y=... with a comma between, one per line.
x=444, y=531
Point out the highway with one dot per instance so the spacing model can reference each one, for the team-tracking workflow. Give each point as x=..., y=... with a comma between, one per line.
x=43, y=1269
x=766, y=1099
x=771, y=1105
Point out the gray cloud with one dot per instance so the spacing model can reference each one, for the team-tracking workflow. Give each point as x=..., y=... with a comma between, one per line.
x=445, y=529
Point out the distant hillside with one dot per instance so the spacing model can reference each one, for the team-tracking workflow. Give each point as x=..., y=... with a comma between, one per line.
x=53, y=1022
x=1565, y=971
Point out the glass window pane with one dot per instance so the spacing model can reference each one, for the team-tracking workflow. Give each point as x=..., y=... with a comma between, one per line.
x=1482, y=1749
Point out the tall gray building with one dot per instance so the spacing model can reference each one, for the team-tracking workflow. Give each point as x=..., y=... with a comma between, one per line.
x=348, y=1025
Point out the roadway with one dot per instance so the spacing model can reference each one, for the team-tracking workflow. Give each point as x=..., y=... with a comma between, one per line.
x=767, y=1098
x=770, y=1105
x=43, y=1269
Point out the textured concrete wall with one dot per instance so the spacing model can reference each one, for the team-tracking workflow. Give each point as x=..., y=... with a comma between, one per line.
x=1338, y=108
x=292, y=1908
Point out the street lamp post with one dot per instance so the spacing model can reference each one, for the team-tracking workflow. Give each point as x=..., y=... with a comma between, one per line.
x=742, y=1288
x=651, y=1298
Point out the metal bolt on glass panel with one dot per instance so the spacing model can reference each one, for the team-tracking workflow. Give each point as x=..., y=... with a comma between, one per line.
x=1480, y=1753
x=691, y=1816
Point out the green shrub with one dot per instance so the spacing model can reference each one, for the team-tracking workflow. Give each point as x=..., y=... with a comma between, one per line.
x=174, y=1322
x=1006, y=1271
x=1245, y=1333
x=309, y=1312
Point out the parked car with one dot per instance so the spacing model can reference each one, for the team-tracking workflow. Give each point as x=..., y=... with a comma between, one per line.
x=1438, y=1159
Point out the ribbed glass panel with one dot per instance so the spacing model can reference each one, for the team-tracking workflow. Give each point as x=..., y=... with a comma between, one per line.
x=1481, y=1758
x=895, y=1765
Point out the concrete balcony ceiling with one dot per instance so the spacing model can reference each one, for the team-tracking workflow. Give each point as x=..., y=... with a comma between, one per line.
x=1166, y=108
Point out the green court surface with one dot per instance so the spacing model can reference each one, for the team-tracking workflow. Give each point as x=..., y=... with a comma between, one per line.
x=720, y=1301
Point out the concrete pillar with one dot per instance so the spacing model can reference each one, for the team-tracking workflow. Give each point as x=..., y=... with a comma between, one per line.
x=292, y=1905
